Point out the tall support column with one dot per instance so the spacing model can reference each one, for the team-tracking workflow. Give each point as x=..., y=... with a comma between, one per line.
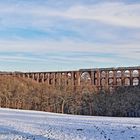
x=59, y=79
x=48, y=79
x=24, y=75
x=92, y=78
x=65, y=77
x=54, y=79
x=72, y=78
x=123, y=77
x=98, y=79
x=43, y=77
x=107, y=79
x=28, y=75
x=37, y=77
x=114, y=78
x=131, y=77
x=77, y=78
x=33, y=76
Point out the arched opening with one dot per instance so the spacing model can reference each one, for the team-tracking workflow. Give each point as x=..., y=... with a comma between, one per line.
x=118, y=73
x=36, y=77
x=103, y=82
x=119, y=81
x=45, y=77
x=110, y=81
x=127, y=73
x=63, y=78
x=56, y=81
x=50, y=81
x=31, y=76
x=69, y=75
x=127, y=82
x=51, y=75
x=135, y=81
x=63, y=74
x=27, y=75
x=110, y=74
x=57, y=75
x=85, y=76
x=41, y=75
x=103, y=74
x=96, y=74
x=135, y=73
x=40, y=80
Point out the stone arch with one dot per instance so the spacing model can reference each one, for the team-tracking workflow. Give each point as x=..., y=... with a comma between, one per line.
x=111, y=74
x=135, y=73
x=127, y=73
x=118, y=73
x=135, y=81
x=119, y=81
x=127, y=82
x=103, y=74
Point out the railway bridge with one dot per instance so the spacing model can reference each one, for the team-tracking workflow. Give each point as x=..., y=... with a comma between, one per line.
x=94, y=77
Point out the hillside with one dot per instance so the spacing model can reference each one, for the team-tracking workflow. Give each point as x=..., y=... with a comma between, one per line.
x=33, y=125
x=20, y=93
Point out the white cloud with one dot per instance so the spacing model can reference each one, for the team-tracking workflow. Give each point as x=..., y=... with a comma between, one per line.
x=118, y=14
x=127, y=50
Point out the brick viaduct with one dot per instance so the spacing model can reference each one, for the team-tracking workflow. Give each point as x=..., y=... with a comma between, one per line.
x=98, y=77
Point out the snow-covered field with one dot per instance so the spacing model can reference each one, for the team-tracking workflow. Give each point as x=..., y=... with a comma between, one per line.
x=32, y=125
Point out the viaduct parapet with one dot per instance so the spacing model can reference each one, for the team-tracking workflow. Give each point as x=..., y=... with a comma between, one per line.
x=98, y=77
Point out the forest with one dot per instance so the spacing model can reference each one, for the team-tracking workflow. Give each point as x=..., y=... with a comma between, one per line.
x=20, y=93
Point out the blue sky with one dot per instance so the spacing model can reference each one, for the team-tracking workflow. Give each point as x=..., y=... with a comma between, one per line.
x=51, y=35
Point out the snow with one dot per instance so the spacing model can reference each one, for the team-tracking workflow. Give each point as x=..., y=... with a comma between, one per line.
x=36, y=125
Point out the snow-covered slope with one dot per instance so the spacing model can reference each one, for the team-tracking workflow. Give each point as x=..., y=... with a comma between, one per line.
x=32, y=125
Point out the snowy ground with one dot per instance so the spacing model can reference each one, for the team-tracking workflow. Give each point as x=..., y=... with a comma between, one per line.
x=32, y=125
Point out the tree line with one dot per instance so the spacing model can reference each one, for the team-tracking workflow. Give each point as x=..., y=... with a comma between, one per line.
x=20, y=93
